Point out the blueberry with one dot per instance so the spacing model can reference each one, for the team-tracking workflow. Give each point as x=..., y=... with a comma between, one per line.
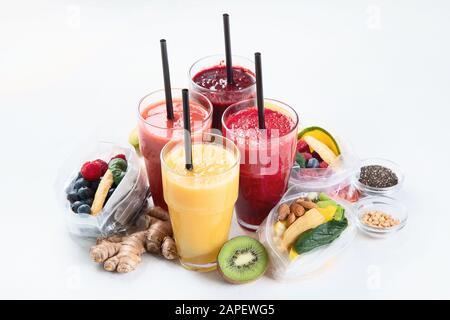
x=72, y=196
x=94, y=185
x=84, y=208
x=89, y=201
x=80, y=183
x=313, y=163
x=85, y=193
x=110, y=192
x=76, y=205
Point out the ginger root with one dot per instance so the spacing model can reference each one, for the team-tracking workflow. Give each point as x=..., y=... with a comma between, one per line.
x=123, y=253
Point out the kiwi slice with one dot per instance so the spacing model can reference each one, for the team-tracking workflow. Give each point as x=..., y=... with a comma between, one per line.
x=242, y=259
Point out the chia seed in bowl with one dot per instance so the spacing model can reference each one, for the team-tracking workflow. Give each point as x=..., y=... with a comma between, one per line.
x=378, y=177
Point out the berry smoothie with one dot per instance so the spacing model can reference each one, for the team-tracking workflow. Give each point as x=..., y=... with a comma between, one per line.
x=155, y=130
x=267, y=156
x=211, y=80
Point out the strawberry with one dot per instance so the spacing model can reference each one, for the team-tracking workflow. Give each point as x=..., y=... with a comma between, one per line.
x=92, y=170
x=121, y=156
x=302, y=146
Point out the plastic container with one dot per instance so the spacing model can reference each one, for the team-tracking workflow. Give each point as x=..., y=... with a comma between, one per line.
x=330, y=180
x=384, y=204
x=124, y=205
x=281, y=266
x=371, y=191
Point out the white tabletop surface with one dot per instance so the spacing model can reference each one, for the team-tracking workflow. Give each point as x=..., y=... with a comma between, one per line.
x=376, y=72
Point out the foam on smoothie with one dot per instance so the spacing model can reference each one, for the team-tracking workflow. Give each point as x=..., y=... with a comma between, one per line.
x=208, y=160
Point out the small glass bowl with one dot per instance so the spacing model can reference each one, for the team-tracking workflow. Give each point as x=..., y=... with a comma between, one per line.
x=384, y=204
x=371, y=191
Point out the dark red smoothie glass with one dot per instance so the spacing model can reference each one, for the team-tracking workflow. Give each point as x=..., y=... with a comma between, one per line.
x=208, y=76
x=267, y=156
x=155, y=130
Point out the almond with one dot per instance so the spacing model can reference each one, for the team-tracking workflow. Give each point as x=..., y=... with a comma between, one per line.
x=307, y=204
x=297, y=209
x=291, y=219
x=283, y=212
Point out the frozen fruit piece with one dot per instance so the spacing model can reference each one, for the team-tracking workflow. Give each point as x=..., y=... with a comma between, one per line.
x=94, y=185
x=118, y=168
x=81, y=182
x=323, y=150
x=76, y=205
x=84, y=208
x=85, y=193
x=312, y=163
x=300, y=159
x=103, y=165
x=323, y=165
x=92, y=170
x=120, y=156
x=133, y=139
x=307, y=155
x=302, y=146
x=317, y=156
x=310, y=220
x=72, y=196
x=322, y=135
x=102, y=192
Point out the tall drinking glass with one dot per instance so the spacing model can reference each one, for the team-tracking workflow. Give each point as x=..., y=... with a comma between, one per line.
x=155, y=130
x=208, y=76
x=201, y=200
x=267, y=156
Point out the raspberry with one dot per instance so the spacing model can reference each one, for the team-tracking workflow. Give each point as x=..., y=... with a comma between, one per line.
x=302, y=146
x=121, y=156
x=102, y=164
x=92, y=170
x=307, y=156
x=323, y=165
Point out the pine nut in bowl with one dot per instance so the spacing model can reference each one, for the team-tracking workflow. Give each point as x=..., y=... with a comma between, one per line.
x=380, y=216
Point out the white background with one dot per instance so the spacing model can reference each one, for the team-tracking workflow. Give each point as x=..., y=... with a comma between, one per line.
x=376, y=72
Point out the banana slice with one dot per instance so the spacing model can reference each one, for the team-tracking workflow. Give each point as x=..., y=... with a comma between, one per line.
x=102, y=192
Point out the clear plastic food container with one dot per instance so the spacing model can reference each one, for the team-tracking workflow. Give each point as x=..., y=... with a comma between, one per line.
x=372, y=191
x=281, y=265
x=332, y=179
x=384, y=204
x=124, y=205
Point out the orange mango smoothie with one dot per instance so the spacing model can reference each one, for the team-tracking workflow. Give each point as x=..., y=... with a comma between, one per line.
x=201, y=200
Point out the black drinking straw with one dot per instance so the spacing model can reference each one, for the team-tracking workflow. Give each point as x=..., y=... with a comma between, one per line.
x=187, y=130
x=166, y=73
x=229, y=61
x=259, y=91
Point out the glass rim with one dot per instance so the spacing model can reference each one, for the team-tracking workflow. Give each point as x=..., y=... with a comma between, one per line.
x=228, y=142
x=197, y=87
x=210, y=107
x=288, y=107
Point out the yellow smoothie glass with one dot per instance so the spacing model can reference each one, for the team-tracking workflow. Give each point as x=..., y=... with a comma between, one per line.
x=201, y=200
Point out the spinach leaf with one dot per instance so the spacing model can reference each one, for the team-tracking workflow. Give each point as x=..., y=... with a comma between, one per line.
x=320, y=236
